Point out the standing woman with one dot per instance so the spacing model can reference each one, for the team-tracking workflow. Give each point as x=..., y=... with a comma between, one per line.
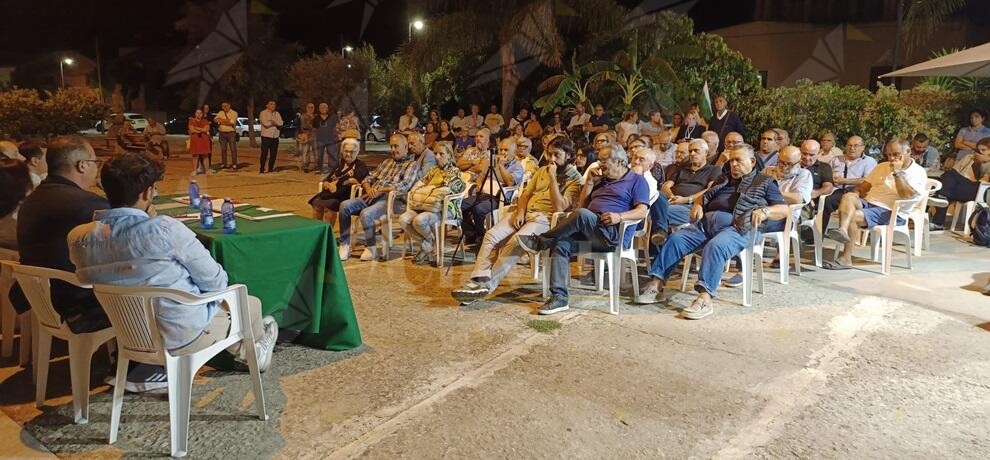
x=214, y=129
x=199, y=141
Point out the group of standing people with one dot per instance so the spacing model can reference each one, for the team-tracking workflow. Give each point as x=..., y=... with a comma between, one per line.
x=203, y=125
x=320, y=135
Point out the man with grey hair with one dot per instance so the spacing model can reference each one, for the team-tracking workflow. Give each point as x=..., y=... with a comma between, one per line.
x=425, y=159
x=871, y=204
x=711, y=138
x=679, y=192
x=612, y=194
x=724, y=216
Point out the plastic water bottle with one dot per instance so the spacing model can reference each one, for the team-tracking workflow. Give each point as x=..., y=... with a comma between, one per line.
x=193, y=194
x=205, y=213
x=229, y=222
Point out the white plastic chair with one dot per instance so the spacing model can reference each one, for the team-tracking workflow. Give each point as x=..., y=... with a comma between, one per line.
x=36, y=283
x=919, y=217
x=612, y=261
x=10, y=317
x=816, y=224
x=440, y=227
x=751, y=258
x=132, y=312
x=882, y=237
x=964, y=210
x=785, y=239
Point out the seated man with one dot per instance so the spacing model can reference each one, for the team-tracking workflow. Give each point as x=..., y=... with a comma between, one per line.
x=60, y=203
x=898, y=178
x=154, y=135
x=681, y=190
x=795, y=184
x=725, y=215
x=924, y=154
x=524, y=155
x=962, y=182
x=470, y=159
x=554, y=188
x=397, y=173
x=821, y=182
x=507, y=172
x=612, y=194
x=681, y=160
x=848, y=171
x=128, y=245
x=34, y=157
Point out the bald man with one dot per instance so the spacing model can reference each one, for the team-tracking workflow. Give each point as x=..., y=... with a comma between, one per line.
x=848, y=171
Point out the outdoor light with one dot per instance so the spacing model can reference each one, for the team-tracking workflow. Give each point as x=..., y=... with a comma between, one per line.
x=418, y=24
x=348, y=49
x=61, y=69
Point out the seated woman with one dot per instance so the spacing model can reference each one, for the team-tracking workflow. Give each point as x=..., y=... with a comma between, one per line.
x=962, y=182
x=425, y=201
x=337, y=185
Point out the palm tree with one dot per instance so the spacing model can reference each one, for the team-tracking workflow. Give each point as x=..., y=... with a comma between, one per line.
x=924, y=17
x=648, y=75
x=532, y=29
x=569, y=87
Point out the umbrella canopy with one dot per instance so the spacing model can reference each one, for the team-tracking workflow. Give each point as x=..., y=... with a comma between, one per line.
x=972, y=62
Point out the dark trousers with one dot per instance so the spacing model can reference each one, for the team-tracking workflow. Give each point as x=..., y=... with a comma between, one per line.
x=832, y=205
x=269, y=151
x=579, y=228
x=955, y=187
x=475, y=209
x=229, y=140
x=332, y=153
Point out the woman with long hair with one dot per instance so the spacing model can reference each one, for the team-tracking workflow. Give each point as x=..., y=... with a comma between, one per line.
x=199, y=141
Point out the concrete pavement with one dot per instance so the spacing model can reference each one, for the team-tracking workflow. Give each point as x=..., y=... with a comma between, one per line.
x=846, y=364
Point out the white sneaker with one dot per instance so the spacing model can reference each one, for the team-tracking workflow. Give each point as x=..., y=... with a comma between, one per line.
x=344, y=251
x=369, y=254
x=265, y=347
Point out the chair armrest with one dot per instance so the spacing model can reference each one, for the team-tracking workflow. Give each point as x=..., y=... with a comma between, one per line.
x=392, y=196
x=319, y=187
x=178, y=296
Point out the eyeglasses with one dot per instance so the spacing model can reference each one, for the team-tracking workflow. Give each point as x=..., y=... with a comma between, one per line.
x=97, y=161
x=787, y=164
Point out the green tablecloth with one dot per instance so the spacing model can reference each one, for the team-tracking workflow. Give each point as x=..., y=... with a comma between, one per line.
x=290, y=264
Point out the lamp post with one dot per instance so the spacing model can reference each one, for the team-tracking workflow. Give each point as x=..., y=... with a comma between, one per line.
x=61, y=68
x=418, y=24
x=345, y=50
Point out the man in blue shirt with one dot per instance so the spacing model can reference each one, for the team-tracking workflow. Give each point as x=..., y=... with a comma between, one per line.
x=128, y=245
x=725, y=216
x=611, y=194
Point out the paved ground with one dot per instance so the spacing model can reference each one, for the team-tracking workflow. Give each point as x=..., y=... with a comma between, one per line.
x=834, y=365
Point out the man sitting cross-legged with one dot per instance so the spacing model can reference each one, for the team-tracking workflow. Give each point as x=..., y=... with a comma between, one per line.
x=898, y=178
x=128, y=245
x=397, y=173
x=725, y=215
x=612, y=193
x=554, y=188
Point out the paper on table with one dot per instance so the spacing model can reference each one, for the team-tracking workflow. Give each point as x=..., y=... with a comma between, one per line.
x=263, y=217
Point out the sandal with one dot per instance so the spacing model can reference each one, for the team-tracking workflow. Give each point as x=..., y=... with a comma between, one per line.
x=835, y=265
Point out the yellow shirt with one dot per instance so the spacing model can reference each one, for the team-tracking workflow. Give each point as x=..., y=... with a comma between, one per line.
x=538, y=189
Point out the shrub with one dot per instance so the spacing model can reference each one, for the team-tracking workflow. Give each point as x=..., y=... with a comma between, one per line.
x=26, y=112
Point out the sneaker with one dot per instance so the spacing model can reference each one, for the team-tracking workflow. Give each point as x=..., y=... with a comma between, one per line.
x=936, y=228
x=143, y=377
x=533, y=244
x=369, y=254
x=650, y=295
x=344, y=251
x=470, y=292
x=265, y=346
x=699, y=309
x=422, y=258
x=588, y=279
x=554, y=304
x=735, y=281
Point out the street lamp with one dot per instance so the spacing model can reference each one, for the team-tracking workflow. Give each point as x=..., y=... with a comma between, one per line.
x=418, y=24
x=345, y=50
x=61, y=68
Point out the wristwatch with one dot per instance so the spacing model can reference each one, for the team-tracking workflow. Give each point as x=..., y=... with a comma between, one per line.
x=766, y=211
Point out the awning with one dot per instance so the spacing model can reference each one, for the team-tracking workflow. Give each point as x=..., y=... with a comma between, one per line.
x=972, y=62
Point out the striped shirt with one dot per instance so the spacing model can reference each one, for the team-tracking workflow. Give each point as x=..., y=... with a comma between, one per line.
x=401, y=174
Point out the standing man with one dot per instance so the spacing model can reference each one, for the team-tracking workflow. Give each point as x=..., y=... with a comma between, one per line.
x=725, y=121
x=307, y=135
x=327, y=141
x=271, y=121
x=494, y=121
x=226, y=121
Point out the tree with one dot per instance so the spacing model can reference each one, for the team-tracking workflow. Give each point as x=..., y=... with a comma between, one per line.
x=28, y=112
x=923, y=19
x=569, y=87
x=629, y=74
x=522, y=30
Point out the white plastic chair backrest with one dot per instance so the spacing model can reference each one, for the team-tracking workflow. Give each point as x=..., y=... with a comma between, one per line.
x=36, y=284
x=821, y=204
x=931, y=186
x=899, y=207
x=131, y=310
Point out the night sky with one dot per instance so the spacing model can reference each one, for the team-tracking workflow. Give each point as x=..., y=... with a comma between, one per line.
x=44, y=26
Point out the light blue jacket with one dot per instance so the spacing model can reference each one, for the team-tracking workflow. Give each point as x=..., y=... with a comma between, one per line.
x=123, y=246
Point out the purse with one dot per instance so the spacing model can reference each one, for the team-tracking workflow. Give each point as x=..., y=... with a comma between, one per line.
x=427, y=198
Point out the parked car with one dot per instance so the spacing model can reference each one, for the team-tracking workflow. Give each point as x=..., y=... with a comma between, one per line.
x=376, y=131
x=289, y=127
x=138, y=121
x=242, y=127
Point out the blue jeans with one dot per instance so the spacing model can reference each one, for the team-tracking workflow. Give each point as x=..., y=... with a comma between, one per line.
x=332, y=152
x=663, y=214
x=367, y=213
x=718, y=244
x=579, y=228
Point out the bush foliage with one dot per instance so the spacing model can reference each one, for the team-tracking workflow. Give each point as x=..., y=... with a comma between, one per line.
x=28, y=112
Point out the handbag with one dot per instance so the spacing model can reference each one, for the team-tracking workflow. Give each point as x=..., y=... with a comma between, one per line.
x=427, y=198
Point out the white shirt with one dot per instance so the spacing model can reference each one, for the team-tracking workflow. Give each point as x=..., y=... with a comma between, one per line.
x=456, y=123
x=229, y=115
x=624, y=129
x=407, y=123
x=883, y=192
x=579, y=120
x=473, y=122
x=666, y=157
x=651, y=182
x=800, y=182
x=827, y=157
x=270, y=121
